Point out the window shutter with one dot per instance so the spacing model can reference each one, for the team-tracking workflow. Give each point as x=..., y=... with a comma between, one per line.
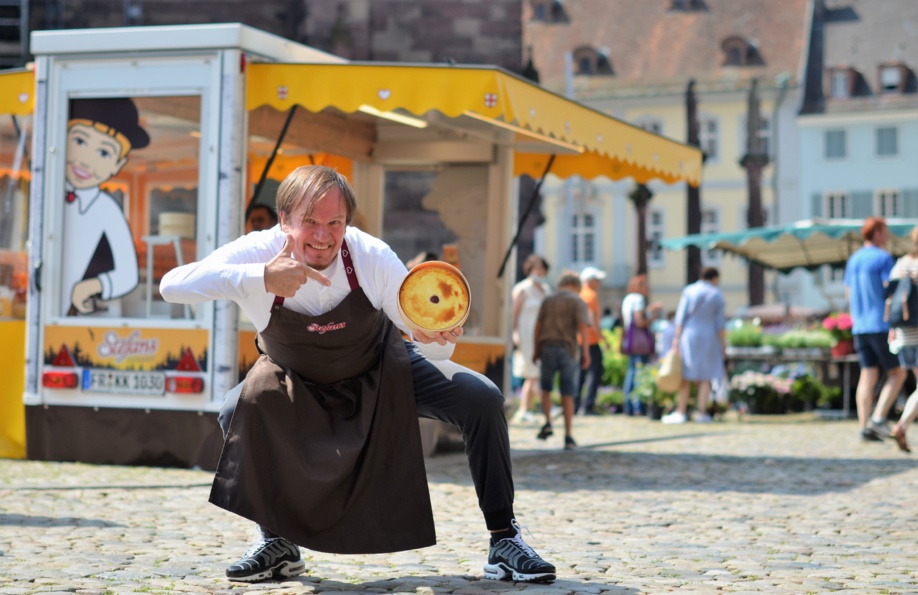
x=861, y=205
x=816, y=203
x=910, y=202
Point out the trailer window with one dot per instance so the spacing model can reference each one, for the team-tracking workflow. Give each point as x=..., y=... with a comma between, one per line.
x=439, y=216
x=15, y=132
x=131, y=203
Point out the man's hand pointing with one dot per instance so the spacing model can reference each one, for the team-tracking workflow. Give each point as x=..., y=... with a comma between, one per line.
x=284, y=275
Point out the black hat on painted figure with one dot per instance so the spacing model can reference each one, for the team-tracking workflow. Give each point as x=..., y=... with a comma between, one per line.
x=118, y=113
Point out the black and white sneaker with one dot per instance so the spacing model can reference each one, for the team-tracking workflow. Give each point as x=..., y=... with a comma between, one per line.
x=512, y=559
x=269, y=558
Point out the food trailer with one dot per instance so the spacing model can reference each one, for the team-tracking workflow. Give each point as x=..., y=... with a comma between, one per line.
x=145, y=146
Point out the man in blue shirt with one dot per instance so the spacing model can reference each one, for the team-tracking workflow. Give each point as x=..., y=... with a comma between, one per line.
x=865, y=274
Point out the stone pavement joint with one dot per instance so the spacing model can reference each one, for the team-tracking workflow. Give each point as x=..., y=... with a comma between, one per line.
x=783, y=504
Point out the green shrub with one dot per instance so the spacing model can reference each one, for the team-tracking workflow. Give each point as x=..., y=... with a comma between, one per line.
x=614, y=363
x=806, y=339
x=747, y=335
x=608, y=397
x=771, y=340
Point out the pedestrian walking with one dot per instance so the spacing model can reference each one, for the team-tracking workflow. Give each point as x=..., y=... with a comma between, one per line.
x=322, y=446
x=865, y=274
x=701, y=341
x=563, y=318
x=527, y=298
x=591, y=280
x=636, y=313
x=903, y=341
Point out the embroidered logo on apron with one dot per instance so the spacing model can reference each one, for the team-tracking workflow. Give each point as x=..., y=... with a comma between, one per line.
x=324, y=328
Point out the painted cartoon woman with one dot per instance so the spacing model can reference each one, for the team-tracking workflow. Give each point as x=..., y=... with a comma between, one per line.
x=100, y=261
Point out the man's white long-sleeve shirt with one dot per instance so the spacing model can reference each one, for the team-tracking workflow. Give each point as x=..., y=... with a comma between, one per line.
x=236, y=272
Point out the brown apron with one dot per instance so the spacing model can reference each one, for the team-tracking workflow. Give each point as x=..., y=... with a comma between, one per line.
x=324, y=446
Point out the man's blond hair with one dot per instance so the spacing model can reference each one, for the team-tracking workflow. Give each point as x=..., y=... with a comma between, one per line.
x=309, y=184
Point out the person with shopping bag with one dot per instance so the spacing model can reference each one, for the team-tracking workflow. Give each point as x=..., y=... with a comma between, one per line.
x=700, y=340
x=637, y=338
x=670, y=377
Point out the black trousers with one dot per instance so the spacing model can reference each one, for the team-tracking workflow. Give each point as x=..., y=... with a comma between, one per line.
x=468, y=400
x=590, y=378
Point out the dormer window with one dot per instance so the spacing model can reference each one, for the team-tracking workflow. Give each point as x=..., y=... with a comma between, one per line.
x=739, y=51
x=841, y=82
x=590, y=61
x=892, y=78
x=684, y=5
x=548, y=11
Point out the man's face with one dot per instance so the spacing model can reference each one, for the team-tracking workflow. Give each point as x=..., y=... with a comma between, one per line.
x=317, y=237
x=259, y=220
x=93, y=157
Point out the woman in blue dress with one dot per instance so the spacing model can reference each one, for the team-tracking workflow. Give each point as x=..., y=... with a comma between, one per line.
x=700, y=340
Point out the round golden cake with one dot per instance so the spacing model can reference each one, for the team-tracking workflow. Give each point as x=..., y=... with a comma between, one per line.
x=434, y=297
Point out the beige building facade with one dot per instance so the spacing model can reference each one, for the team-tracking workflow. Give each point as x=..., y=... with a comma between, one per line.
x=634, y=61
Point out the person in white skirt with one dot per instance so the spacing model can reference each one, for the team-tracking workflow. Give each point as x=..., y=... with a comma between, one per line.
x=527, y=297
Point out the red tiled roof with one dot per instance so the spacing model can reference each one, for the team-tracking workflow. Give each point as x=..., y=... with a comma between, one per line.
x=651, y=46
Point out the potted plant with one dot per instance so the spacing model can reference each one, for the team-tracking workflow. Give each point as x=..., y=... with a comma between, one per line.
x=609, y=399
x=645, y=388
x=746, y=339
x=806, y=343
x=757, y=392
x=839, y=325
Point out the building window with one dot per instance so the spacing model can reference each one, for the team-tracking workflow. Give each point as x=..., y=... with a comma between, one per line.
x=591, y=61
x=549, y=11
x=687, y=5
x=656, y=227
x=710, y=223
x=764, y=134
x=735, y=55
x=888, y=203
x=838, y=205
x=836, y=144
x=739, y=51
x=583, y=239
x=891, y=79
x=840, y=85
x=887, y=141
x=833, y=275
x=708, y=136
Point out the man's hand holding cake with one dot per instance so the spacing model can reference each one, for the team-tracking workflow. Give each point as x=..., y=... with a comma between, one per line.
x=434, y=301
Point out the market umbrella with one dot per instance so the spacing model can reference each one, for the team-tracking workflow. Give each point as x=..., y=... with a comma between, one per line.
x=808, y=244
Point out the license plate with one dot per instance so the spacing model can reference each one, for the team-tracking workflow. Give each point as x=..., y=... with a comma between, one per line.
x=126, y=382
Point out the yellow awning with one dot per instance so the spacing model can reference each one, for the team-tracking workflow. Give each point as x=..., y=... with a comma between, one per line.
x=590, y=143
x=17, y=92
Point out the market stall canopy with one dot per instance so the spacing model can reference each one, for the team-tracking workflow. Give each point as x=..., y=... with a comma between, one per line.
x=17, y=92
x=807, y=244
x=480, y=102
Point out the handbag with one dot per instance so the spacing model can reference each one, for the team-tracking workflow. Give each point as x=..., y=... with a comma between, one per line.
x=670, y=377
x=901, y=303
x=637, y=340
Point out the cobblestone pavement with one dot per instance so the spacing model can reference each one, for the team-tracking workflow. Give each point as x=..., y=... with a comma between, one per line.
x=773, y=505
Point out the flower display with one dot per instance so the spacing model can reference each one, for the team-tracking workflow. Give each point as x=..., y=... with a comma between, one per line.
x=750, y=383
x=839, y=325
